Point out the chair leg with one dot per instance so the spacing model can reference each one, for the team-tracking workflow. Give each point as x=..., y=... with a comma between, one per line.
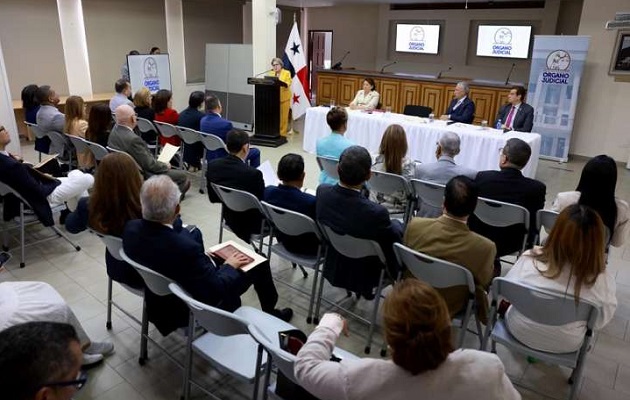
x=108, y=324
x=267, y=377
x=319, y=296
x=309, y=316
x=22, y=255
x=304, y=273
x=464, y=326
x=479, y=332
x=189, y=350
x=257, y=376
x=377, y=300
x=66, y=238
x=144, y=333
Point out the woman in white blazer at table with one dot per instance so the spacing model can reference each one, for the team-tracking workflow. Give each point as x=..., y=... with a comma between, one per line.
x=424, y=366
x=367, y=98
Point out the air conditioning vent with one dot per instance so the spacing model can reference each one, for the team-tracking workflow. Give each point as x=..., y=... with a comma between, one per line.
x=617, y=24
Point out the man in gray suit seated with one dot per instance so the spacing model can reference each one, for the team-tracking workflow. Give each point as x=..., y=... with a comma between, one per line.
x=49, y=118
x=444, y=168
x=124, y=138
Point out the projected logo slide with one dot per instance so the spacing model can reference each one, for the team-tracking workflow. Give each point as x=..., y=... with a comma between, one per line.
x=412, y=38
x=503, y=41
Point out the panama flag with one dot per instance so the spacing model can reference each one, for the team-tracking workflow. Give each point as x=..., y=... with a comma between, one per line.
x=295, y=62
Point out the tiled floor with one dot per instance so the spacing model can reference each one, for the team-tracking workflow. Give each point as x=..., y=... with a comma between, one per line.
x=80, y=278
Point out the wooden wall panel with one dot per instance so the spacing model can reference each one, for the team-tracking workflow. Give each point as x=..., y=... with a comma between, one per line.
x=389, y=90
x=432, y=96
x=348, y=87
x=326, y=89
x=409, y=94
x=449, y=93
x=485, y=104
x=501, y=101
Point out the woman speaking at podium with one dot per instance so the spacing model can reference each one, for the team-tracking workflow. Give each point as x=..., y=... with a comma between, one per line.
x=277, y=70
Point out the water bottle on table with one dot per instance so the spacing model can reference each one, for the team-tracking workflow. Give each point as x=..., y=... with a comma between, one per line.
x=499, y=124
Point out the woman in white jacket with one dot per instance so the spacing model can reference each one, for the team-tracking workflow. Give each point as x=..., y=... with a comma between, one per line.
x=423, y=365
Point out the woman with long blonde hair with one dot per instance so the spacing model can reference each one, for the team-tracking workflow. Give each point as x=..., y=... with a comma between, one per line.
x=76, y=125
x=572, y=261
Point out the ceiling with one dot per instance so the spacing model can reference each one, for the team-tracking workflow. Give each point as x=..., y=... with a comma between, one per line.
x=325, y=3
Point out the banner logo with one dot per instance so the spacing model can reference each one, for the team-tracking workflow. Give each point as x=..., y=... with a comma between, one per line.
x=151, y=78
x=416, y=38
x=502, y=42
x=558, y=63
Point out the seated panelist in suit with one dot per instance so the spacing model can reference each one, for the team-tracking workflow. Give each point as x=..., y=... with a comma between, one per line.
x=124, y=138
x=289, y=195
x=178, y=253
x=367, y=98
x=516, y=115
x=461, y=109
x=283, y=75
x=216, y=125
x=344, y=209
x=232, y=171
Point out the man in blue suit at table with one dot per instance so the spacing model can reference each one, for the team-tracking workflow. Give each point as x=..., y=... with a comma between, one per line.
x=215, y=124
x=461, y=109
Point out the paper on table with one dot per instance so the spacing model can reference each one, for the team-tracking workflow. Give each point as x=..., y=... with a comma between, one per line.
x=45, y=160
x=269, y=175
x=167, y=153
x=225, y=249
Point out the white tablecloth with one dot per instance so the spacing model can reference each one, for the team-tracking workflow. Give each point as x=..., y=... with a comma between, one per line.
x=479, y=147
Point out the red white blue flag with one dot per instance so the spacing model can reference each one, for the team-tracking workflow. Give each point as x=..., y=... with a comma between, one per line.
x=295, y=62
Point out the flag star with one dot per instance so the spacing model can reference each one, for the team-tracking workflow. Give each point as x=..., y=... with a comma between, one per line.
x=296, y=48
x=296, y=98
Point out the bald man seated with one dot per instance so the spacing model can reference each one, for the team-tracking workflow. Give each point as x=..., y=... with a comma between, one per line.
x=124, y=138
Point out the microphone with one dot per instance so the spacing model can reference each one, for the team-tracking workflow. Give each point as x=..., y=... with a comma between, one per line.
x=387, y=65
x=264, y=72
x=338, y=64
x=507, y=80
x=439, y=75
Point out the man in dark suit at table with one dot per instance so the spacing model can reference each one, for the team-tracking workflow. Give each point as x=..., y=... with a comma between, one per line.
x=232, y=171
x=510, y=186
x=344, y=209
x=461, y=109
x=216, y=125
x=516, y=115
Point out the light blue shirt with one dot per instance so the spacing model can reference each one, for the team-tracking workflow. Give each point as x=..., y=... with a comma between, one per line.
x=118, y=100
x=331, y=146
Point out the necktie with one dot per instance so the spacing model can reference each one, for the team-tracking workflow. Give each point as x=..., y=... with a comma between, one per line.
x=459, y=102
x=508, y=121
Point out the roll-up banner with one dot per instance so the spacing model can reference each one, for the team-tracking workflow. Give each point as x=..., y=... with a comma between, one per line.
x=554, y=86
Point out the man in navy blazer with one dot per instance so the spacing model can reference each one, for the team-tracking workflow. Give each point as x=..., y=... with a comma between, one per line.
x=344, y=209
x=216, y=125
x=289, y=195
x=516, y=115
x=180, y=256
x=461, y=109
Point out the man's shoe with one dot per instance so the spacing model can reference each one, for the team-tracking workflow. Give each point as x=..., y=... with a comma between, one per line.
x=99, y=348
x=285, y=314
x=91, y=360
x=63, y=215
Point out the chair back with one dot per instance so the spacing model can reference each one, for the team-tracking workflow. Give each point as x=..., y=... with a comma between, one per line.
x=329, y=165
x=544, y=306
x=144, y=125
x=545, y=219
x=113, y=244
x=156, y=282
x=417, y=111
x=166, y=130
x=79, y=143
x=350, y=246
x=212, y=142
x=500, y=214
x=388, y=183
x=237, y=200
x=6, y=189
x=189, y=136
x=210, y=318
x=36, y=130
x=282, y=359
x=289, y=222
x=59, y=143
x=98, y=150
x=430, y=193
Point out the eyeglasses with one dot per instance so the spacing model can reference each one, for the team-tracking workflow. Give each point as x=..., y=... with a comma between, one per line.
x=275, y=65
x=78, y=383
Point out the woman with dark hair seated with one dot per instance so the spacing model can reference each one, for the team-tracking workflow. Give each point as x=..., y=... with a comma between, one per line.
x=596, y=189
x=31, y=106
x=572, y=261
x=164, y=112
x=367, y=98
x=115, y=199
x=418, y=331
x=99, y=124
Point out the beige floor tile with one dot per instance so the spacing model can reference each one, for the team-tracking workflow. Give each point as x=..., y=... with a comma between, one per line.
x=622, y=383
x=100, y=380
x=594, y=391
x=122, y=391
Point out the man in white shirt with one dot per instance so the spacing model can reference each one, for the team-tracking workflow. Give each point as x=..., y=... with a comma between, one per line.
x=516, y=115
x=123, y=91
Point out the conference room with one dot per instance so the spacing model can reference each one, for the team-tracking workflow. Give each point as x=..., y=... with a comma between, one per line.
x=401, y=69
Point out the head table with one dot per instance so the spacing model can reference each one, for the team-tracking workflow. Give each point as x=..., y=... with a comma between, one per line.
x=479, y=149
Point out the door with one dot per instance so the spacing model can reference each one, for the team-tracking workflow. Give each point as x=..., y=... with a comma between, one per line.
x=319, y=55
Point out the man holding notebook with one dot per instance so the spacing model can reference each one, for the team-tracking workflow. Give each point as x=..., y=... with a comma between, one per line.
x=178, y=254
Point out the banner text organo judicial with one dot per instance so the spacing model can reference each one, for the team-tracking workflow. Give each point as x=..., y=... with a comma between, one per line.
x=556, y=77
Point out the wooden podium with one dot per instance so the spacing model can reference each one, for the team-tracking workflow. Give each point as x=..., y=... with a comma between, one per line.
x=267, y=111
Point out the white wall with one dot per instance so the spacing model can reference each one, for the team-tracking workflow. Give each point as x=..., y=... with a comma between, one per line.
x=601, y=125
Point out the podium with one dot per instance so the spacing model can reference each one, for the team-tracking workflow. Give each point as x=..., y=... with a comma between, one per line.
x=267, y=111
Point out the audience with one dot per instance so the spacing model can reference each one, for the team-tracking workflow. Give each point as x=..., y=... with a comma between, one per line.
x=448, y=238
x=164, y=112
x=461, y=109
x=124, y=138
x=596, y=189
x=30, y=107
x=216, y=125
x=22, y=302
x=40, y=360
x=40, y=190
x=289, y=195
x=417, y=329
x=124, y=69
x=76, y=125
x=155, y=242
x=191, y=118
x=572, y=261
x=99, y=124
x=344, y=209
x=123, y=92
x=392, y=158
x=49, y=118
x=117, y=177
x=232, y=171
x=334, y=144
x=442, y=170
x=142, y=101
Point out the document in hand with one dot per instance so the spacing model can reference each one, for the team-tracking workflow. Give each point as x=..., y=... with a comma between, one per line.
x=226, y=249
x=168, y=152
x=269, y=175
